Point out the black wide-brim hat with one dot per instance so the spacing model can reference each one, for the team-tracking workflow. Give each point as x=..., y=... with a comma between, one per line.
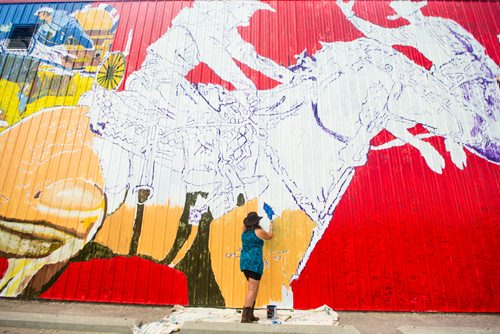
x=252, y=219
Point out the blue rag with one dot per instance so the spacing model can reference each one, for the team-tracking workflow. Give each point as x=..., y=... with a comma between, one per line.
x=269, y=211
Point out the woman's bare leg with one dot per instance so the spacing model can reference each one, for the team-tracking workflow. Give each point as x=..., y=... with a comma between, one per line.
x=253, y=289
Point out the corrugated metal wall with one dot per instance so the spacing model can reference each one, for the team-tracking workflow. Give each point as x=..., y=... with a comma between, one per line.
x=137, y=135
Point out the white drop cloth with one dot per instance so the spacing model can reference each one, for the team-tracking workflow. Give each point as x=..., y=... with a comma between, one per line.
x=323, y=315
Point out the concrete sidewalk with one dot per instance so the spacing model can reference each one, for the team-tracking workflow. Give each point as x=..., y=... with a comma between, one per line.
x=29, y=317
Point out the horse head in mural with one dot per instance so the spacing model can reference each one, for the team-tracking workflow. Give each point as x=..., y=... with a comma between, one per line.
x=484, y=134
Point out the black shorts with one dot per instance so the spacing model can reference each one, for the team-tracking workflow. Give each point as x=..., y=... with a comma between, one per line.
x=252, y=274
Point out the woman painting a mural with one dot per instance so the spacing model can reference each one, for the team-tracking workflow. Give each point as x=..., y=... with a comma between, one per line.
x=251, y=262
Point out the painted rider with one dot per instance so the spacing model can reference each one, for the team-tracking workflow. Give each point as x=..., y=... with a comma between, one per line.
x=59, y=28
x=206, y=33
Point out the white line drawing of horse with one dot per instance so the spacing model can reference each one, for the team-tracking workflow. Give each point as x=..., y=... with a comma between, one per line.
x=224, y=152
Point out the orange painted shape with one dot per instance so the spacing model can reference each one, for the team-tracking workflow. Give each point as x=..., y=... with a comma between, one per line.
x=116, y=231
x=50, y=173
x=159, y=228
x=292, y=234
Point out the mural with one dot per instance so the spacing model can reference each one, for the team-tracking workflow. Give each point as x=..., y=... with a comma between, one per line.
x=163, y=168
x=60, y=58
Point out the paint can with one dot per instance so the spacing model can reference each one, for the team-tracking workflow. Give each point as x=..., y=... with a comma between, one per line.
x=271, y=311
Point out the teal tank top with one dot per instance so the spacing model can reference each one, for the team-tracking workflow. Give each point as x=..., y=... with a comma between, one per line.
x=251, y=252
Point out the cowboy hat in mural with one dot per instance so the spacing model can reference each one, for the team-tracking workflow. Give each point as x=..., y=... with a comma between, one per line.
x=47, y=10
x=405, y=8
